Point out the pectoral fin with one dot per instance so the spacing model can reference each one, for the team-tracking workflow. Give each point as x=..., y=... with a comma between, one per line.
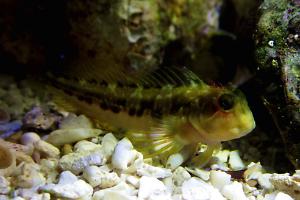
x=204, y=157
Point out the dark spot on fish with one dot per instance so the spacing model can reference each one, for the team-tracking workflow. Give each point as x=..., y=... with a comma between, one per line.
x=147, y=104
x=175, y=106
x=91, y=53
x=121, y=102
x=104, y=105
x=68, y=92
x=75, y=79
x=156, y=114
x=131, y=85
x=104, y=83
x=115, y=109
x=92, y=81
x=119, y=84
x=131, y=111
x=86, y=99
x=140, y=112
x=89, y=100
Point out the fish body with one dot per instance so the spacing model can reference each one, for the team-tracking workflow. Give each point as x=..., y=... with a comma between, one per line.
x=161, y=117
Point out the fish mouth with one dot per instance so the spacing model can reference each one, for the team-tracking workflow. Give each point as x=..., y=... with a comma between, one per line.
x=247, y=124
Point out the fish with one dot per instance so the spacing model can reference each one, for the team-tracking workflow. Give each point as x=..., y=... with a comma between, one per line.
x=162, y=113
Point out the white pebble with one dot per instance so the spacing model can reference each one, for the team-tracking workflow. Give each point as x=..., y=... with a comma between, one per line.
x=201, y=173
x=30, y=176
x=156, y=172
x=4, y=186
x=133, y=180
x=219, y=179
x=67, y=136
x=97, y=177
x=67, y=177
x=115, y=195
x=234, y=191
x=277, y=196
x=123, y=155
x=197, y=189
x=77, y=161
x=254, y=170
x=47, y=149
x=152, y=188
x=180, y=175
x=109, y=143
x=122, y=188
x=69, y=187
x=222, y=156
x=271, y=43
x=72, y=121
x=264, y=181
x=85, y=145
x=29, y=138
x=235, y=161
x=175, y=160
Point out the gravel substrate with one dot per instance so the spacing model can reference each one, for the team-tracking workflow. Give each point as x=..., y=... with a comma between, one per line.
x=50, y=154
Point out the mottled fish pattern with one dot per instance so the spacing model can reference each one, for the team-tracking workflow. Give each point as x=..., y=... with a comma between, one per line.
x=169, y=109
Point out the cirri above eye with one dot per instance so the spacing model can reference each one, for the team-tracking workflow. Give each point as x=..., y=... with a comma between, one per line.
x=226, y=101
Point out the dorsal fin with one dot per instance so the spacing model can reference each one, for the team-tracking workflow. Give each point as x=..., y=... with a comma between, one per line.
x=169, y=76
x=161, y=77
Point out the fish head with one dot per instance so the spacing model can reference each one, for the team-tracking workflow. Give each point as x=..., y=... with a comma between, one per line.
x=225, y=116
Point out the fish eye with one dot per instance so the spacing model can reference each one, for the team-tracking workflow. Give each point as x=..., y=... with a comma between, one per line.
x=226, y=101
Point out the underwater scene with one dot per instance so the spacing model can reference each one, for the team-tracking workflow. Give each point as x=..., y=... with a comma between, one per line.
x=150, y=99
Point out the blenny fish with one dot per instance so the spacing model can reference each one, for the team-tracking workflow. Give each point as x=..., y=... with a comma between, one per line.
x=166, y=112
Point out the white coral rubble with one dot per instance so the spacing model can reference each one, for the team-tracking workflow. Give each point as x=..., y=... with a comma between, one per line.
x=69, y=186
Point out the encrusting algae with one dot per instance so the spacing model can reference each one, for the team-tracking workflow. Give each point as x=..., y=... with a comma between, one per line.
x=167, y=112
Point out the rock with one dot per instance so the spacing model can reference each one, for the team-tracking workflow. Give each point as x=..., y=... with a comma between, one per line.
x=29, y=138
x=39, y=119
x=175, y=160
x=152, y=188
x=4, y=186
x=85, y=145
x=97, y=177
x=235, y=161
x=219, y=179
x=49, y=168
x=201, y=173
x=277, y=196
x=196, y=189
x=122, y=189
x=30, y=176
x=222, y=155
x=264, y=181
x=31, y=194
x=123, y=155
x=117, y=196
x=287, y=184
x=7, y=160
x=73, y=122
x=109, y=143
x=278, y=70
x=133, y=180
x=9, y=129
x=67, y=136
x=179, y=176
x=77, y=161
x=69, y=187
x=234, y=191
x=254, y=170
x=152, y=171
x=46, y=149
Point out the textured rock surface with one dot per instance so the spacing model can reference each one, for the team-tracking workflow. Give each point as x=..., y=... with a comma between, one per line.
x=277, y=55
